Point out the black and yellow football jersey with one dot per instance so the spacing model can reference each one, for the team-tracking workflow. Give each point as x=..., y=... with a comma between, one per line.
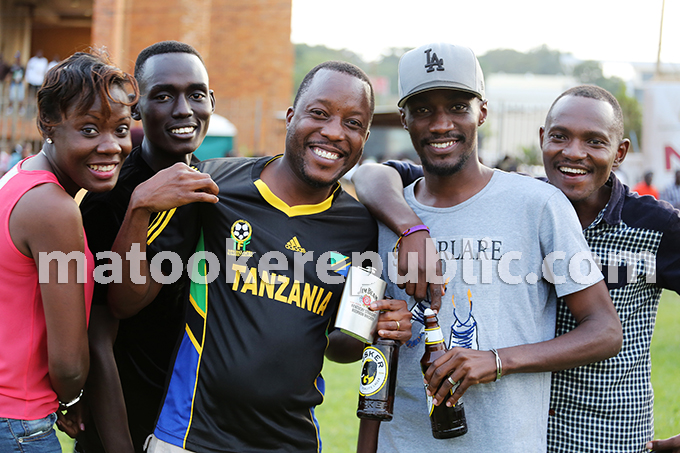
x=266, y=280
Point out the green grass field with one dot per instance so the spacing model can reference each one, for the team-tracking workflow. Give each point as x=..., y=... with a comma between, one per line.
x=666, y=367
x=339, y=424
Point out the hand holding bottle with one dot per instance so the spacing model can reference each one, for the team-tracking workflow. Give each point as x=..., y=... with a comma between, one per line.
x=465, y=366
x=394, y=321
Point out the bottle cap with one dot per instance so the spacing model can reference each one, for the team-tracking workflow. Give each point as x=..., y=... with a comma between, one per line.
x=428, y=312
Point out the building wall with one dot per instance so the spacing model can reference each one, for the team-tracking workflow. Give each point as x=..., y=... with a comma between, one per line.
x=56, y=40
x=15, y=30
x=245, y=44
x=253, y=58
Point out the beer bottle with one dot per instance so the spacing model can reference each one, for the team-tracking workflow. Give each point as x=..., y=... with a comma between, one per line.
x=446, y=421
x=378, y=380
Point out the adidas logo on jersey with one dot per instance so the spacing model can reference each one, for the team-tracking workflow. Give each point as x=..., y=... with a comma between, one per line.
x=295, y=246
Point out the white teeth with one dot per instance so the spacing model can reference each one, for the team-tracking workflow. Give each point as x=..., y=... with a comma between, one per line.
x=442, y=145
x=325, y=154
x=183, y=130
x=573, y=171
x=102, y=168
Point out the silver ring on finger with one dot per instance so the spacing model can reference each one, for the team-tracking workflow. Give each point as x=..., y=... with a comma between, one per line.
x=451, y=381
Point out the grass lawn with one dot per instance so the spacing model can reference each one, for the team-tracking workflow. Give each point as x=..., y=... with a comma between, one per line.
x=339, y=423
x=338, y=413
x=666, y=367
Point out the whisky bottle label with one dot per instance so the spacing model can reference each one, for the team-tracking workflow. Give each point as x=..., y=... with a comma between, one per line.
x=374, y=371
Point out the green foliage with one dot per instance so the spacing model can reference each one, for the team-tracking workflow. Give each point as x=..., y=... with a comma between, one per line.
x=531, y=155
x=632, y=115
x=541, y=60
x=590, y=72
x=306, y=57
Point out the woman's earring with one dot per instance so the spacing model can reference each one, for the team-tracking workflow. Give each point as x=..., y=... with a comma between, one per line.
x=49, y=140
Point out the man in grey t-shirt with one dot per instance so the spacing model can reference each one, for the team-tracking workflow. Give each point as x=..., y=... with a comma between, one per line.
x=509, y=247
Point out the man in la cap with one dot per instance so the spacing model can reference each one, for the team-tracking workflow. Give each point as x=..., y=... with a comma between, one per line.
x=509, y=246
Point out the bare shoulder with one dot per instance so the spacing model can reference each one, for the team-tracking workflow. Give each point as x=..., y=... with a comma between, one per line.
x=47, y=204
x=43, y=214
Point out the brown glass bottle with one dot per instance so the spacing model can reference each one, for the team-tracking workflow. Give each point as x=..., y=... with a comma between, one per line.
x=446, y=421
x=378, y=380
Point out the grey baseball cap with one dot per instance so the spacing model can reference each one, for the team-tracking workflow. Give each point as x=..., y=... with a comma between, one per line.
x=439, y=65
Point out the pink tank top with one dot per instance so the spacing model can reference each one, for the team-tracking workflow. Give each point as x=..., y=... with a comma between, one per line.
x=25, y=389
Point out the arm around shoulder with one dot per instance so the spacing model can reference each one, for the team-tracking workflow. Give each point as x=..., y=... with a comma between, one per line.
x=379, y=187
x=173, y=187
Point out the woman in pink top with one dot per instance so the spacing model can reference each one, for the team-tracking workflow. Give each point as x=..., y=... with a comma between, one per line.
x=84, y=118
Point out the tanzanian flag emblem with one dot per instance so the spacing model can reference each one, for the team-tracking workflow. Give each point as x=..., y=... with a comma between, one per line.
x=340, y=263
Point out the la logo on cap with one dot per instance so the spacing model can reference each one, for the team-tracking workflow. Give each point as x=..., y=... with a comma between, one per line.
x=432, y=61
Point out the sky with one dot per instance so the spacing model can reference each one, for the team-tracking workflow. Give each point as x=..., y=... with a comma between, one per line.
x=603, y=30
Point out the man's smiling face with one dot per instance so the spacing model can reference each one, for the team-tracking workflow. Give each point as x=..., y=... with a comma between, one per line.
x=443, y=126
x=581, y=146
x=176, y=103
x=328, y=127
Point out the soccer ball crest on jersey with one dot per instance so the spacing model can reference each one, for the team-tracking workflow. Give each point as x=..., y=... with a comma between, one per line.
x=241, y=233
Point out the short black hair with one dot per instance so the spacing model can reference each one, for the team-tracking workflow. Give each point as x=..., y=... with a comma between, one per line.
x=161, y=48
x=342, y=67
x=79, y=81
x=599, y=94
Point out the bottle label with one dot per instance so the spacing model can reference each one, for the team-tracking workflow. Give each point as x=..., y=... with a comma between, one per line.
x=430, y=406
x=374, y=371
x=434, y=335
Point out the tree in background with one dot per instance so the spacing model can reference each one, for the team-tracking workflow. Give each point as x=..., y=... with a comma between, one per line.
x=541, y=60
x=590, y=72
x=632, y=117
x=306, y=57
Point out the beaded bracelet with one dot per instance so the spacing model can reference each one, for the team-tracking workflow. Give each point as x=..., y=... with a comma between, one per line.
x=72, y=402
x=408, y=231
